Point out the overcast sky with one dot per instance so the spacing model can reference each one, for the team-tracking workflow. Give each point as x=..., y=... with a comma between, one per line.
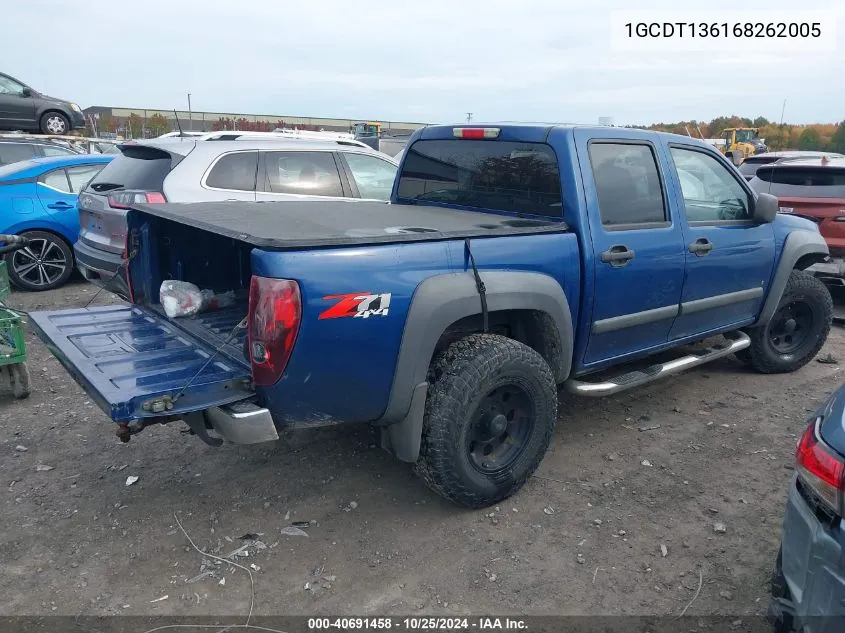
x=426, y=61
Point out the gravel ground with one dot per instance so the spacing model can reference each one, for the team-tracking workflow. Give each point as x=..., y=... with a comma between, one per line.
x=640, y=496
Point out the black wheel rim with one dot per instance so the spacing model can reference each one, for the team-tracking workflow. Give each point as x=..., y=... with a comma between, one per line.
x=40, y=264
x=791, y=327
x=501, y=428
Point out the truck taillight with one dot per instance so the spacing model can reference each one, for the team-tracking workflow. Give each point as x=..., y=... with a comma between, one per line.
x=476, y=132
x=819, y=468
x=125, y=199
x=275, y=310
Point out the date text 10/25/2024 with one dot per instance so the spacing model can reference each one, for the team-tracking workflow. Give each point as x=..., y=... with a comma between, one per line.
x=418, y=624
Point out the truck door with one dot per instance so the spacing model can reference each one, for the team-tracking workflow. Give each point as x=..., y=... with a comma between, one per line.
x=637, y=253
x=729, y=257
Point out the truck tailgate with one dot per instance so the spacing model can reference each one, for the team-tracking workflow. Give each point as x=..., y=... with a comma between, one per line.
x=132, y=361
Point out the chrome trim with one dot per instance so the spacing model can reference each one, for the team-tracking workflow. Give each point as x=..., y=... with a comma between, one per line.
x=720, y=301
x=661, y=370
x=636, y=318
x=242, y=423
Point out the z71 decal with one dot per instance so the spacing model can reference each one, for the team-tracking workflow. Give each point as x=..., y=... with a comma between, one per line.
x=357, y=305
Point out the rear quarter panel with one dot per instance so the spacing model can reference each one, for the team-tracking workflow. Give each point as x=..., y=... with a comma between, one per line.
x=341, y=369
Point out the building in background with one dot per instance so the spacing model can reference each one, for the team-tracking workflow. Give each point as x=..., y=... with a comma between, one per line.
x=108, y=122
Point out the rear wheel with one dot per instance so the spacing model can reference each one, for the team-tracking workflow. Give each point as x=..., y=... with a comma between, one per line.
x=45, y=264
x=490, y=413
x=797, y=330
x=54, y=123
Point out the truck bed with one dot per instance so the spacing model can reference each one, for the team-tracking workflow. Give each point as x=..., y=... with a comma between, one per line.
x=320, y=223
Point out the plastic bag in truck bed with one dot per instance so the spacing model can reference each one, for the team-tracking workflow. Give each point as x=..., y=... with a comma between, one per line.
x=184, y=299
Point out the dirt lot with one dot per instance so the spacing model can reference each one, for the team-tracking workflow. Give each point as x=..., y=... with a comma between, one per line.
x=625, y=477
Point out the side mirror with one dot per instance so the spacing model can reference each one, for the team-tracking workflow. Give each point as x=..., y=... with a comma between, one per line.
x=26, y=92
x=765, y=208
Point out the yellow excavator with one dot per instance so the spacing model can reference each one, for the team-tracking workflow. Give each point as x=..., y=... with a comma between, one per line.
x=740, y=143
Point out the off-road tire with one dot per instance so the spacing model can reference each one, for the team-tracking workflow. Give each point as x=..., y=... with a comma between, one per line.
x=460, y=379
x=802, y=287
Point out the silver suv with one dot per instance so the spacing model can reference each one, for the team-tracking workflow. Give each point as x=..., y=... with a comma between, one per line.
x=197, y=170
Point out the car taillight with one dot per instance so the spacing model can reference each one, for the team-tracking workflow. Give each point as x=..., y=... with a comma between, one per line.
x=125, y=199
x=476, y=132
x=819, y=468
x=275, y=310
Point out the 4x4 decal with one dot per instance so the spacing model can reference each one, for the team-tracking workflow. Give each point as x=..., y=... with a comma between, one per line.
x=357, y=304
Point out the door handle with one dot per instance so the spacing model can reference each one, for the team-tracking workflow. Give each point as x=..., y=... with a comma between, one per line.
x=617, y=255
x=59, y=205
x=701, y=247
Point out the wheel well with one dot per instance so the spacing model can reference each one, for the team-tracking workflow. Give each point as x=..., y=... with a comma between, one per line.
x=808, y=260
x=534, y=328
x=57, y=111
x=67, y=242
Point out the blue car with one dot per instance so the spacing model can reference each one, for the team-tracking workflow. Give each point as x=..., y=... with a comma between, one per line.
x=38, y=201
x=808, y=585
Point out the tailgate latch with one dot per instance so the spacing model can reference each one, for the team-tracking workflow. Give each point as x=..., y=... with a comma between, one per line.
x=158, y=405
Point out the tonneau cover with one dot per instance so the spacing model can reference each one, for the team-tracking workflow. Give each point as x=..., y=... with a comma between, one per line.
x=294, y=224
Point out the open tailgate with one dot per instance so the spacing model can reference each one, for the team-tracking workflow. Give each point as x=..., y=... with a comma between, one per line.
x=131, y=362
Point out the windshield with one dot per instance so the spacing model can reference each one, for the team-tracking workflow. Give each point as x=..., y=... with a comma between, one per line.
x=497, y=175
x=745, y=136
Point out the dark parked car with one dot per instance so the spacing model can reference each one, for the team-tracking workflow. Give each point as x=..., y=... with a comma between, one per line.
x=750, y=165
x=808, y=585
x=24, y=108
x=13, y=150
x=812, y=188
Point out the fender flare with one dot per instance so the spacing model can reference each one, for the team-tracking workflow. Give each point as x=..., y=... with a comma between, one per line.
x=437, y=303
x=798, y=244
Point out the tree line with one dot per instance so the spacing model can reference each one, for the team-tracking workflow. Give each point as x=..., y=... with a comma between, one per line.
x=135, y=126
x=824, y=137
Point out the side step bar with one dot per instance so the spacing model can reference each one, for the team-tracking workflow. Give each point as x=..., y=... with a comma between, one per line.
x=735, y=342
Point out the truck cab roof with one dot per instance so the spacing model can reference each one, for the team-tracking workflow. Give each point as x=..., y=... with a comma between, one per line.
x=539, y=132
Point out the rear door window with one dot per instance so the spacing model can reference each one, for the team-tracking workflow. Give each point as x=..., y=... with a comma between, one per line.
x=627, y=184
x=304, y=173
x=55, y=150
x=236, y=172
x=496, y=175
x=139, y=167
x=14, y=152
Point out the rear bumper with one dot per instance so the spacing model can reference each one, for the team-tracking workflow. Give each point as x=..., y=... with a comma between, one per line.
x=813, y=570
x=242, y=423
x=101, y=268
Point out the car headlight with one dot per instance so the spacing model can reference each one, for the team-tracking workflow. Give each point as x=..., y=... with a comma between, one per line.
x=75, y=107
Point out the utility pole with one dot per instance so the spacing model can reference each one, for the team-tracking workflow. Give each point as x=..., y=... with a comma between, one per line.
x=190, y=114
x=469, y=117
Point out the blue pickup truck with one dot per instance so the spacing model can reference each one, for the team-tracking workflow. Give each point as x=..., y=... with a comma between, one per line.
x=510, y=260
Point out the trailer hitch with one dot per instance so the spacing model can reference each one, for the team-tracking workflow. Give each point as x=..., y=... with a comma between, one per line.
x=197, y=425
x=125, y=430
